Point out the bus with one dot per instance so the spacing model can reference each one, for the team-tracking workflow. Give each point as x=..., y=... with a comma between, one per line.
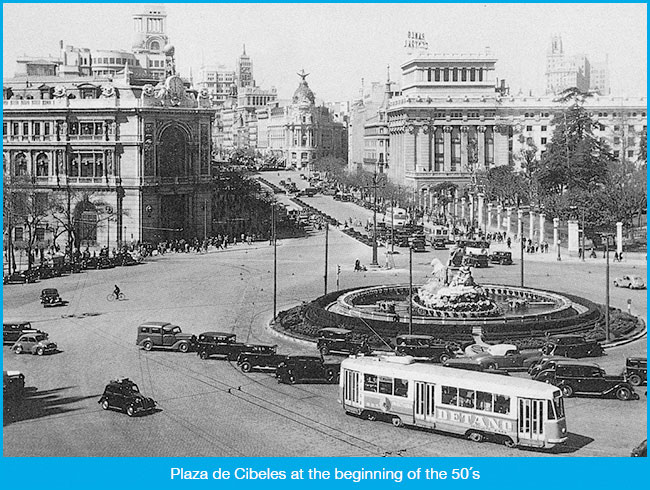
x=475, y=247
x=480, y=406
x=437, y=231
x=395, y=217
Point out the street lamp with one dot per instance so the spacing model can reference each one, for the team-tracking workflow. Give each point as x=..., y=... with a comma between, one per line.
x=410, y=289
x=522, y=242
x=606, y=237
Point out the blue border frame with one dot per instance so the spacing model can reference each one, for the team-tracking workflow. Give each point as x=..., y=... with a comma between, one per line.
x=73, y=473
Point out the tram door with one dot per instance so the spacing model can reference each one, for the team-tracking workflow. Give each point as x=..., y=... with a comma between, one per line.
x=351, y=388
x=530, y=419
x=424, y=405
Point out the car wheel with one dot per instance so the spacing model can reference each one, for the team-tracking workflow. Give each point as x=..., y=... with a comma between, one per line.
x=396, y=421
x=246, y=367
x=147, y=345
x=183, y=347
x=105, y=405
x=444, y=358
x=18, y=349
x=203, y=355
x=130, y=411
x=567, y=390
x=492, y=365
x=475, y=436
x=40, y=351
x=292, y=379
x=629, y=286
x=324, y=350
x=635, y=380
x=623, y=393
x=615, y=284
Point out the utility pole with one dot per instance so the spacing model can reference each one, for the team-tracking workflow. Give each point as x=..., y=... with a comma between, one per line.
x=410, y=290
x=275, y=262
x=522, y=242
x=205, y=218
x=326, y=247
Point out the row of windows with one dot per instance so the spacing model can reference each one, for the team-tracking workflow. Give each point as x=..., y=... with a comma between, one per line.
x=19, y=234
x=46, y=128
x=616, y=114
x=116, y=61
x=533, y=114
x=459, y=114
x=455, y=74
x=385, y=385
x=479, y=400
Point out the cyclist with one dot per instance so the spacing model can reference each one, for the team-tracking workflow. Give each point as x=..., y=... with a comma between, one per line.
x=116, y=292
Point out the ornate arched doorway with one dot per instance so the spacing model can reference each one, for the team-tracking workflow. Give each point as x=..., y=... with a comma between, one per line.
x=172, y=152
x=85, y=224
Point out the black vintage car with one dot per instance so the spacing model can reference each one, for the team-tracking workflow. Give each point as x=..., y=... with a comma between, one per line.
x=124, y=394
x=636, y=370
x=587, y=379
x=339, y=340
x=502, y=258
x=260, y=357
x=21, y=277
x=439, y=244
x=472, y=260
x=570, y=345
x=471, y=364
x=424, y=347
x=50, y=297
x=12, y=330
x=295, y=369
x=220, y=344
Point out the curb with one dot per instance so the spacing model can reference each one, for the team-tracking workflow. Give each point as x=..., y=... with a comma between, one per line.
x=629, y=340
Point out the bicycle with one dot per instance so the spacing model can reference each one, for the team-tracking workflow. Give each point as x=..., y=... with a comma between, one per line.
x=112, y=297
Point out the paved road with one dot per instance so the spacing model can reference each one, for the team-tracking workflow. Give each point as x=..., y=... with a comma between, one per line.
x=210, y=408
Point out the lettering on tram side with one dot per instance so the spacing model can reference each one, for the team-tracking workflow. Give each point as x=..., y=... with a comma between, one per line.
x=485, y=422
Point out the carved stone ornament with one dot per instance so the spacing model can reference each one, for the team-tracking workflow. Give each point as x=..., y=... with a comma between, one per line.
x=448, y=129
x=148, y=90
x=204, y=93
x=464, y=129
x=59, y=91
x=481, y=129
x=425, y=129
x=108, y=91
x=411, y=128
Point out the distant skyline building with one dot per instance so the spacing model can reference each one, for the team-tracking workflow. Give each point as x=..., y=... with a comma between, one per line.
x=565, y=71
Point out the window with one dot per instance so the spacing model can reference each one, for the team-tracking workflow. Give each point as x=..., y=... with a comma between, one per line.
x=446, y=74
x=630, y=153
x=617, y=154
x=466, y=398
x=449, y=395
x=385, y=385
x=630, y=141
x=18, y=233
x=25, y=128
x=617, y=128
x=543, y=128
x=4, y=129
x=544, y=141
x=112, y=61
x=40, y=234
x=46, y=128
x=370, y=383
x=630, y=127
x=464, y=75
x=484, y=401
x=617, y=140
x=529, y=128
x=36, y=128
x=42, y=165
x=401, y=387
x=502, y=404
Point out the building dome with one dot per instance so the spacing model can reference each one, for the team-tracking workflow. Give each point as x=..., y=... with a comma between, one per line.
x=168, y=50
x=303, y=94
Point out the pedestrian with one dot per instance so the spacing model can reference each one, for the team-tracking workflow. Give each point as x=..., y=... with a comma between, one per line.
x=615, y=256
x=509, y=242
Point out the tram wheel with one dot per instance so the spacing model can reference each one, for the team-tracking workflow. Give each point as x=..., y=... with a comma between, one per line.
x=508, y=442
x=397, y=422
x=372, y=416
x=475, y=436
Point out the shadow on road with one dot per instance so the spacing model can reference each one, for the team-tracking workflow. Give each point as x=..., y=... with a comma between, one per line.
x=37, y=404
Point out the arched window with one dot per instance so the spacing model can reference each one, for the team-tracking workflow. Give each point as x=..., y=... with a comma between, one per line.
x=429, y=75
x=85, y=223
x=172, y=152
x=20, y=164
x=480, y=74
x=154, y=46
x=464, y=75
x=472, y=74
x=42, y=165
x=437, y=75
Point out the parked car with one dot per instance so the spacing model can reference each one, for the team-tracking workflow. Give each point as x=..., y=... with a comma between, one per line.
x=34, y=343
x=640, y=451
x=502, y=258
x=424, y=347
x=588, y=379
x=124, y=394
x=46, y=271
x=164, y=335
x=260, y=357
x=545, y=362
x=50, y=297
x=631, y=282
x=571, y=345
x=506, y=356
x=12, y=330
x=220, y=344
x=295, y=369
x=332, y=339
x=439, y=244
x=471, y=364
x=13, y=385
x=478, y=261
x=125, y=259
x=636, y=370
x=104, y=263
x=21, y=277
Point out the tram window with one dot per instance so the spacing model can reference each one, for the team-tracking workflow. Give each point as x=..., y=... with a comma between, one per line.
x=449, y=395
x=484, y=401
x=559, y=406
x=386, y=385
x=370, y=382
x=466, y=398
x=401, y=387
x=551, y=413
x=502, y=404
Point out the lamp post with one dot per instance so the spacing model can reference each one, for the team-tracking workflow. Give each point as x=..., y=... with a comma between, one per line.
x=522, y=243
x=606, y=237
x=410, y=290
x=326, y=247
x=275, y=262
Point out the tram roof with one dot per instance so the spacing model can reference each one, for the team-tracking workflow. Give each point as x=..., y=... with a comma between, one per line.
x=406, y=367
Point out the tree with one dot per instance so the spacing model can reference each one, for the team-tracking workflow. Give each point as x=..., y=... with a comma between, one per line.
x=504, y=185
x=333, y=167
x=643, y=147
x=574, y=158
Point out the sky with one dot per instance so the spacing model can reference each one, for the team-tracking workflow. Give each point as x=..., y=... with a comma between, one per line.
x=339, y=44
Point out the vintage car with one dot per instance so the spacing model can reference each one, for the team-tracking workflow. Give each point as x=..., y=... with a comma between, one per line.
x=571, y=345
x=636, y=370
x=581, y=378
x=104, y=262
x=418, y=243
x=545, y=362
x=50, y=297
x=164, y=335
x=34, y=343
x=124, y=394
x=339, y=340
x=640, y=451
x=295, y=369
x=439, y=244
x=471, y=364
x=502, y=258
x=631, y=282
x=506, y=356
x=12, y=330
x=13, y=385
x=479, y=261
x=21, y=277
x=424, y=347
x=260, y=357
x=125, y=259
x=220, y=344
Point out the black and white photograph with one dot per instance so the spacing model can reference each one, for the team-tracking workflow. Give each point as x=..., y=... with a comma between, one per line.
x=324, y=230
